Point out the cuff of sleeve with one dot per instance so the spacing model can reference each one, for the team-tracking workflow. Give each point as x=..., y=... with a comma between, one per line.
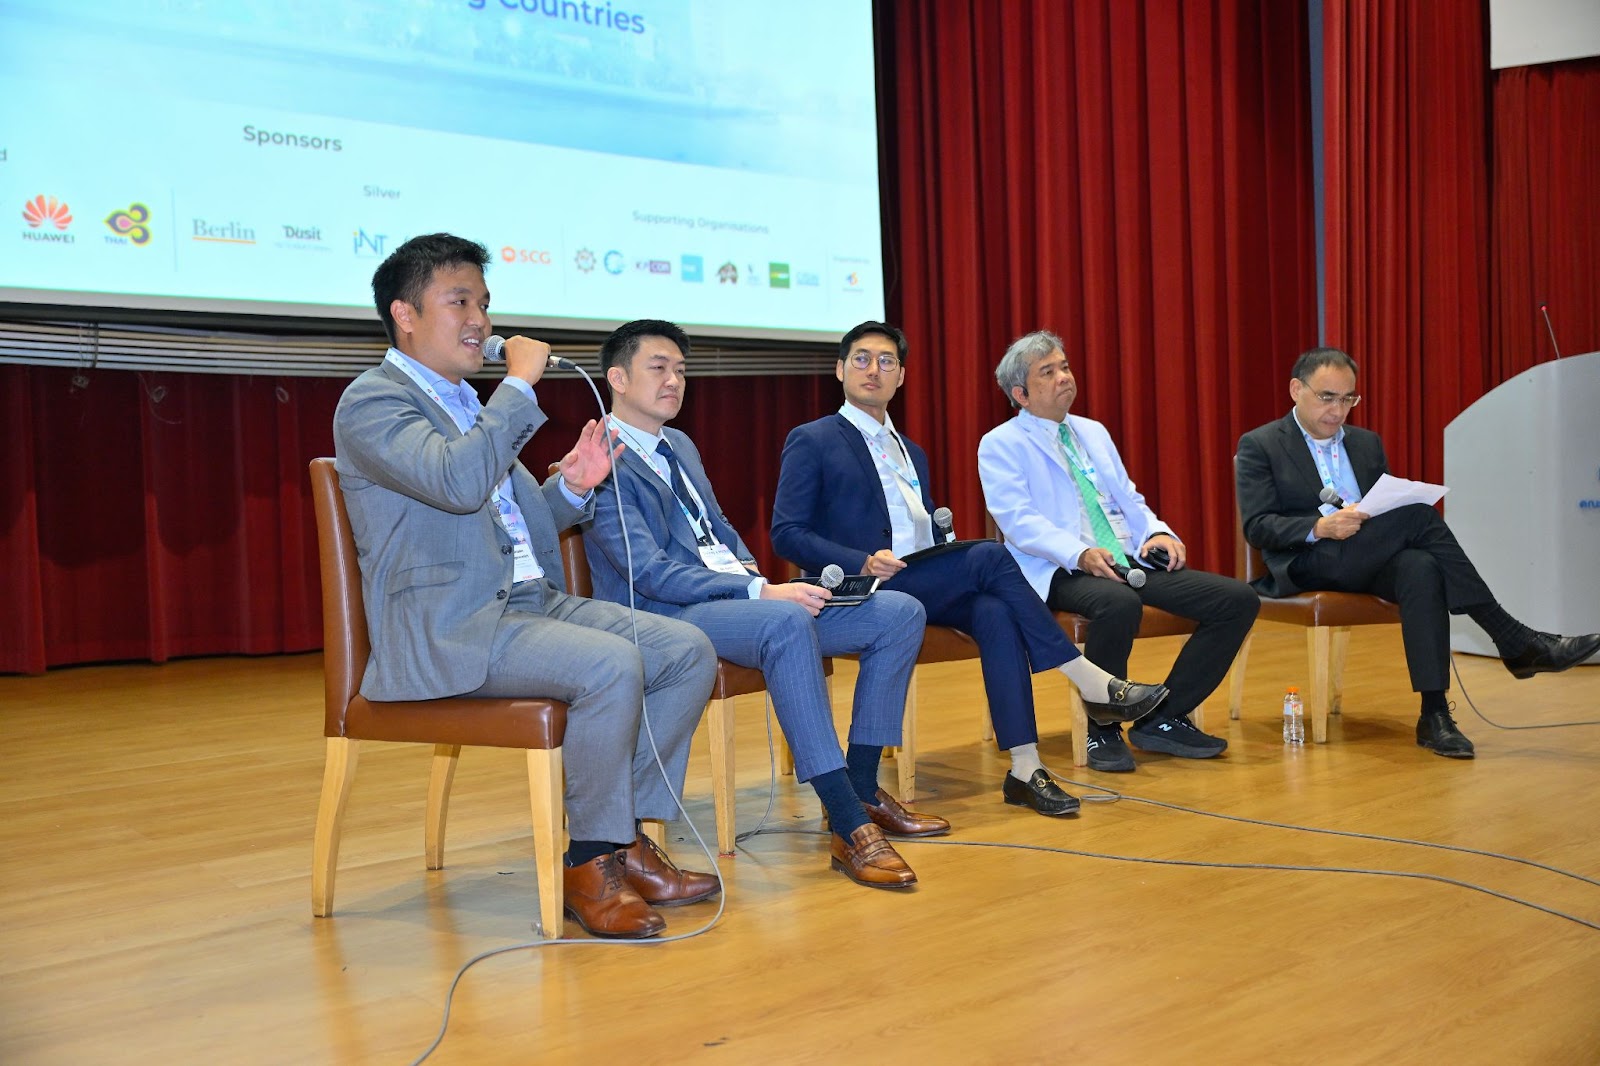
x=572, y=497
x=521, y=386
x=756, y=584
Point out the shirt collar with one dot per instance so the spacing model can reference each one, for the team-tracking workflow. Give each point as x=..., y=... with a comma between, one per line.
x=639, y=435
x=1337, y=438
x=1028, y=418
x=868, y=425
x=441, y=384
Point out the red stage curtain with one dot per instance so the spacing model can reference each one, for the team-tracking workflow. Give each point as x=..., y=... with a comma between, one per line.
x=150, y=516
x=1546, y=213
x=1134, y=177
x=1407, y=214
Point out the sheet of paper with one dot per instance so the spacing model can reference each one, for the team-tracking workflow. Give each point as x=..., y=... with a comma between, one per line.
x=1391, y=492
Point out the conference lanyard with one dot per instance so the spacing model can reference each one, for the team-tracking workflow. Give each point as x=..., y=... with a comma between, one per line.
x=523, y=564
x=1324, y=457
x=1078, y=457
x=699, y=523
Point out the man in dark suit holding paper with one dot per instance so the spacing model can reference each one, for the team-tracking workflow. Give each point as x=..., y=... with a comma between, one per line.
x=854, y=492
x=687, y=562
x=1286, y=469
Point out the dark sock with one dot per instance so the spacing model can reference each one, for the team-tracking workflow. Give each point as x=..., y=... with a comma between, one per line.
x=1510, y=636
x=638, y=830
x=582, y=851
x=861, y=763
x=838, y=795
x=1435, y=703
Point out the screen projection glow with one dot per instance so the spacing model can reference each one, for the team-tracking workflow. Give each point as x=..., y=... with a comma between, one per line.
x=708, y=161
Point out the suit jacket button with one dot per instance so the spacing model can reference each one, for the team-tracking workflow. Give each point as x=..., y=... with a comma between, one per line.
x=500, y=595
x=505, y=549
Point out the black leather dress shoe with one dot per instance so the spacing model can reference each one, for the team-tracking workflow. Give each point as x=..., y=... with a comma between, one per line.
x=1548, y=653
x=1437, y=731
x=1040, y=793
x=1129, y=702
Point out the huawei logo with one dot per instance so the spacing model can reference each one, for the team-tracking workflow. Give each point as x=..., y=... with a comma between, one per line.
x=41, y=209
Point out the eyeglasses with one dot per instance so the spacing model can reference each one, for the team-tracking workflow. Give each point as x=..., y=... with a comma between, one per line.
x=886, y=362
x=1346, y=400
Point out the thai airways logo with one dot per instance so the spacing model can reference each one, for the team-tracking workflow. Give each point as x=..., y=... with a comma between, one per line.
x=585, y=260
x=615, y=262
x=47, y=219
x=693, y=268
x=41, y=209
x=367, y=245
x=128, y=226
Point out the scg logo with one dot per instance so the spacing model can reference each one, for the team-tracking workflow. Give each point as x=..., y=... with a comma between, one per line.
x=525, y=255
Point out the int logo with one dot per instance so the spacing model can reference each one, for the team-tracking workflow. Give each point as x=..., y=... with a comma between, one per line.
x=47, y=209
x=129, y=225
x=367, y=245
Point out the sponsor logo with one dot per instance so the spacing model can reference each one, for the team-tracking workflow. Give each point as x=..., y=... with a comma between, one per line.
x=223, y=233
x=301, y=238
x=778, y=275
x=727, y=274
x=808, y=278
x=128, y=226
x=367, y=245
x=693, y=268
x=47, y=219
x=536, y=256
x=653, y=266
x=752, y=276
x=585, y=260
x=615, y=262
x=852, y=280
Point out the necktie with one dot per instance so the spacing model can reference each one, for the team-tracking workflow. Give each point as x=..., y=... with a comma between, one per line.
x=1098, y=521
x=680, y=488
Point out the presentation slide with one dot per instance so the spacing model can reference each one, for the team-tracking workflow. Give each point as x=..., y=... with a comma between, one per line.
x=714, y=162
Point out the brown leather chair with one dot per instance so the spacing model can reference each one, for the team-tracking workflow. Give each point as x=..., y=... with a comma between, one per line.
x=732, y=682
x=1153, y=622
x=1327, y=617
x=536, y=725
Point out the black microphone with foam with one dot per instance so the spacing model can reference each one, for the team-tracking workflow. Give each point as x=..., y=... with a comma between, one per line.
x=494, y=351
x=1133, y=575
x=944, y=523
x=1329, y=494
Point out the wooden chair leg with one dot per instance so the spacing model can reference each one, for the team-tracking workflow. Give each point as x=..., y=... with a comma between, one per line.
x=655, y=829
x=1318, y=651
x=905, y=759
x=549, y=810
x=719, y=722
x=1338, y=646
x=1080, y=726
x=338, y=772
x=445, y=757
x=1236, y=678
x=985, y=726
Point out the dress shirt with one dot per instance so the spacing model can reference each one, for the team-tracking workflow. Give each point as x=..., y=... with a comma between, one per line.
x=911, y=529
x=1341, y=472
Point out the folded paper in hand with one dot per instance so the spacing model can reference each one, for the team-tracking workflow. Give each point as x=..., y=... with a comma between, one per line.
x=1391, y=492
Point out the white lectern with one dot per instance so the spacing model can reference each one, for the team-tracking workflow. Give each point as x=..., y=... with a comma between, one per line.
x=1523, y=466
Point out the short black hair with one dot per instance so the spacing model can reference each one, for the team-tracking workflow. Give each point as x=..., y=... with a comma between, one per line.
x=409, y=270
x=848, y=342
x=623, y=344
x=1314, y=359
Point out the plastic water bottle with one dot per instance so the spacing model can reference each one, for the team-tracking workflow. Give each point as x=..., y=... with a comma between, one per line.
x=1294, y=722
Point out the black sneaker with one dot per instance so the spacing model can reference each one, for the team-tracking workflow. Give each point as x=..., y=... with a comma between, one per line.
x=1107, y=752
x=1436, y=731
x=1176, y=736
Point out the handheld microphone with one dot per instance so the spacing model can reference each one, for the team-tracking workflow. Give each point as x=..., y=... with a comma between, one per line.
x=945, y=523
x=1544, y=309
x=832, y=576
x=494, y=351
x=1133, y=575
x=1330, y=495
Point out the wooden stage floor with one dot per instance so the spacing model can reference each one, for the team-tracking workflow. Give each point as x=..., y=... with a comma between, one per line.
x=156, y=904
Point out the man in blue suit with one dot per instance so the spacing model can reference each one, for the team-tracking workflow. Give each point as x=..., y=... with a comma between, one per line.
x=854, y=492
x=687, y=562
x=1076, y=524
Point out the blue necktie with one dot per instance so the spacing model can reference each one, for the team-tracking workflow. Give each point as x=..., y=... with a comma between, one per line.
x=680, y=489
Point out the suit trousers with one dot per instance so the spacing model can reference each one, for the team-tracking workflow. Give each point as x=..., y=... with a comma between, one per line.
x=1224, y=609
x=785, y=643
x=581, y=651
x=1409, y=557
x=979, y=590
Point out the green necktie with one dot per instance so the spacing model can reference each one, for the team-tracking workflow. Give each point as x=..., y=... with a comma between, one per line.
x=1091, y=500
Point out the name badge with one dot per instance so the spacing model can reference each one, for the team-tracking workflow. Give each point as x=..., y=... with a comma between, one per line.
x=1327, y=509
x=523, y=568
x=1118, y=520
x=720, y=559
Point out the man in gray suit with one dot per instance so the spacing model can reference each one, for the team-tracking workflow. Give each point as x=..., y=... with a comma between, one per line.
x=462, y=576
x=689, y=563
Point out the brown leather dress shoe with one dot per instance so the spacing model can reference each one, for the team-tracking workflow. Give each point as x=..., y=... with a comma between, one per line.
x=658, y=880
x=599, y=899
x=888, y=815
x=869, y=860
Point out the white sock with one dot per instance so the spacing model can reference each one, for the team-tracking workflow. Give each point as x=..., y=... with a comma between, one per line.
x=1093, y=683
x=1024, y=761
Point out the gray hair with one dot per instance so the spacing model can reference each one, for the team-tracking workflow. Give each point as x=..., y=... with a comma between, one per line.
x=1026, y=350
